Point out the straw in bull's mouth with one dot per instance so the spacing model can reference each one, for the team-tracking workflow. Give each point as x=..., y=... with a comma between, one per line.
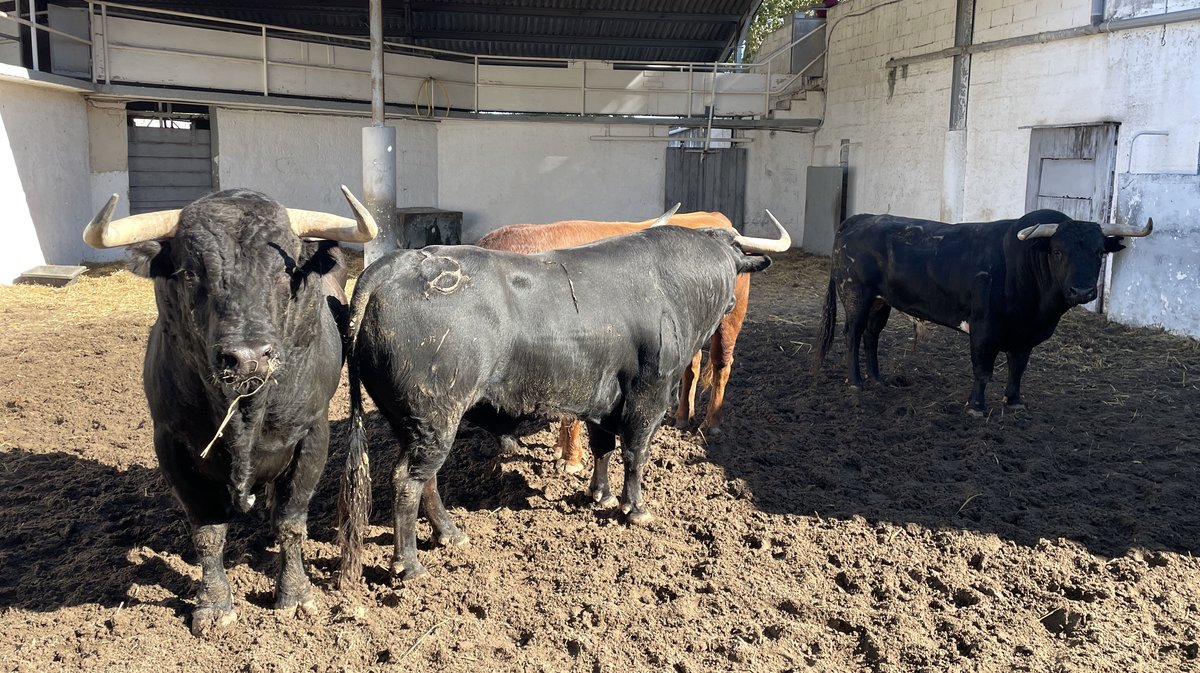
x=262, y=383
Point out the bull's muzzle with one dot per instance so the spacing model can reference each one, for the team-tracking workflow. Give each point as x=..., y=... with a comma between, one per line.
x=246, y=364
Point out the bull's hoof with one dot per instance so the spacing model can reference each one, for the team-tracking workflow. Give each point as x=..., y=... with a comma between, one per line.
x=710, y=430
x=974, y=413
x=636, y=516
x=682, y=423
x=854, y=387
x=408, y=573
x=290, y=603
x=567, y=467
x=458, y=539
x=604, y=500
x=209, y=620
x=1018, y=405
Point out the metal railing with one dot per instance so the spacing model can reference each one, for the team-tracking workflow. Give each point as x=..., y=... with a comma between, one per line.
x=701, y=77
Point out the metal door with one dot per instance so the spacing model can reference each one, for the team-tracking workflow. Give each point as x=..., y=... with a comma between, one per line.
x=712, y=181
x=168, y=167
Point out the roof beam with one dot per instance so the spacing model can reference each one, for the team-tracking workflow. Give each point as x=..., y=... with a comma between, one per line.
x=567, y=13
x=567, y=39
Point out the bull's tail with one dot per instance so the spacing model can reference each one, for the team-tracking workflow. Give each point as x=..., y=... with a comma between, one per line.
x=707, y=374
x=825, y=331
x=354, y=498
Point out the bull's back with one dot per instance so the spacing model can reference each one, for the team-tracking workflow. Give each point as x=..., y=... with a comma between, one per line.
x=932, y=270
x=534, y=238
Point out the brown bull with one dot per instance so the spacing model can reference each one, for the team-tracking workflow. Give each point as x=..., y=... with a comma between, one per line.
x=534, y=238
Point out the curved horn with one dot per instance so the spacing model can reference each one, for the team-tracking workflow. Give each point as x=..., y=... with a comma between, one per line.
x=103, y=232
x=662, y=219
x=1037, y=231
x=316, y=224
x=751, y=244
x=1113, y=229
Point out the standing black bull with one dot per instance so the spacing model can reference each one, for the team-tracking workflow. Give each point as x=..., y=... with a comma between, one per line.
x=240, y=365
x=1005, y=283
x=600, y=332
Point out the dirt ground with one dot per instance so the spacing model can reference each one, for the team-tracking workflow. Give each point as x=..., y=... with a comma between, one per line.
x=823, y=530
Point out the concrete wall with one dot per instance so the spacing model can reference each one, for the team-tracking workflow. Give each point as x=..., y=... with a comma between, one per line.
x=43, y=173
x=895, y=127
x=501, y=173
x=301, y=159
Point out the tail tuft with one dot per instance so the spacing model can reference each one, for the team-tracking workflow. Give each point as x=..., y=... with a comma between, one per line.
x=825, y=331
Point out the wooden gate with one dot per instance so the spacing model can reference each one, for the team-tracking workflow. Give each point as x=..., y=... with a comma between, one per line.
x=713, y=181
x=1071, y=170
x=168, y=167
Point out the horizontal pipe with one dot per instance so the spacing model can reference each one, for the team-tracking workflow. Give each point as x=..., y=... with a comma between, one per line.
x=668, y=139
x=1110, y=26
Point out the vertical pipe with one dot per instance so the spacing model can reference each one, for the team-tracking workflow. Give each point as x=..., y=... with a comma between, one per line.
x=92, y=39
x=104, y=27
x=33, y=36
x=476, y=59
x=376, y=62
x=691, y=89
x=379, y=152
x=767, y=91
x=266, y=84
x=583, y=89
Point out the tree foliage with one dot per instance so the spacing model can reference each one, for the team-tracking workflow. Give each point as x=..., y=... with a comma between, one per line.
x=772, y=14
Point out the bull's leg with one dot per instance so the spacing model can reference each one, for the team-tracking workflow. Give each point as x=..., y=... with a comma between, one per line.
x=443, y=526
x=570, y=446
x=983, y=363
x=687, y=393
x=214, y=602
x=208, y=506
x=603, y=444
x=1017, y=360
x=857, y=302
x=293, y=493
x=425, y=447
x=638, y=425
x=876, y=321
x=720, y=353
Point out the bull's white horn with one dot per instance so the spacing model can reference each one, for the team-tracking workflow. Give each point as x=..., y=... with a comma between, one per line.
x=662, y=219
x=1114, y=229
x=752, y=244
x=316, y=224
x=1038, y=231
x=104, y=232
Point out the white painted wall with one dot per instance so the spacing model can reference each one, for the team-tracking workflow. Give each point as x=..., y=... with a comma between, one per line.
x=895, y=129
x=43, y=173
x=301, y=159
x=501, y=173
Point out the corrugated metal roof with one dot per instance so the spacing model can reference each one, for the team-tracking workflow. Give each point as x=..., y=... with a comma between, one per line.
x=642, y=30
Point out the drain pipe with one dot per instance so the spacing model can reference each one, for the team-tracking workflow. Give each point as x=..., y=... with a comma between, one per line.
x=1110, y=26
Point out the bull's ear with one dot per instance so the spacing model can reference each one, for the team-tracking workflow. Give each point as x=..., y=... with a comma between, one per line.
x=752, y=263
x=1113, y=243
x=151, y=259
x=322, y=257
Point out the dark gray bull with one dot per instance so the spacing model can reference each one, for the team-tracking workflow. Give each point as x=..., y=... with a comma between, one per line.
x=600, y=332
x=240, y=365
x=1005, y=283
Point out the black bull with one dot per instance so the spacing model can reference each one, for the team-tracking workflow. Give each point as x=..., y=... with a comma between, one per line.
x=240, y=366
x=1005, y=283
x=600, y=332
